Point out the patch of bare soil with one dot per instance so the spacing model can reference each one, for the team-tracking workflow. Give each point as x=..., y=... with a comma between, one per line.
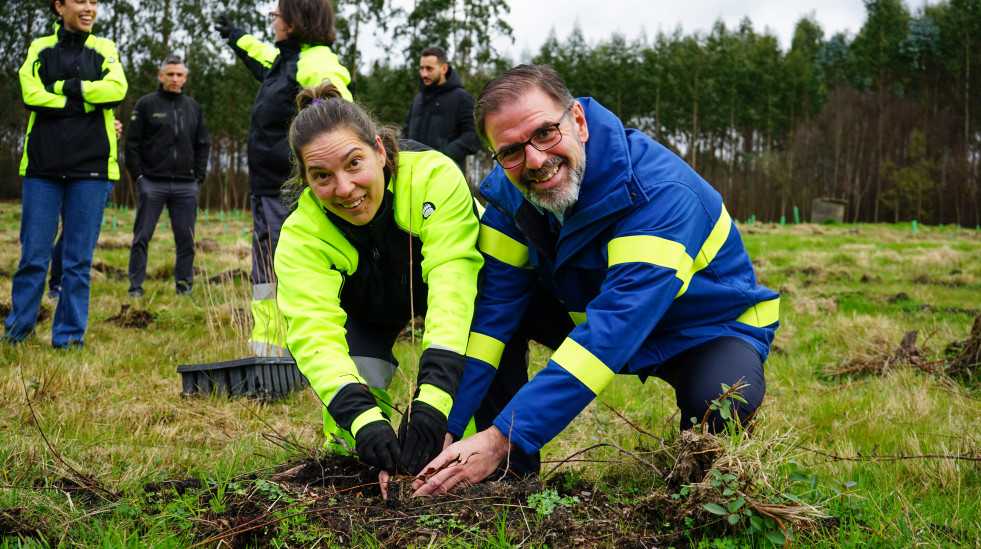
x=132, y=317
x=229, y=276
x=903, y=300
x=112, y=244
x=207, y=245
x=340, y=495
x=953, y=283
x=4, y=273
x=111, y=272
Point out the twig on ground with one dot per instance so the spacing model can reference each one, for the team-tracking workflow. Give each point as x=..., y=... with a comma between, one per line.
x=600, y=445
x=900, y=457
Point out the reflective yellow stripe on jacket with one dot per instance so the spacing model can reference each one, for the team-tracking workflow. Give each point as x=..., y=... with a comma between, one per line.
x=503, y=248
x=669, y=254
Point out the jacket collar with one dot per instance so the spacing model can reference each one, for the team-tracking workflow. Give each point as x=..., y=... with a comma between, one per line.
x=288, y=45
x=68, y=37
x=169, y=94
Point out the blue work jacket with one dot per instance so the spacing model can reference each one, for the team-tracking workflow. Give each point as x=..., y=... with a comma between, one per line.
x=648, y=264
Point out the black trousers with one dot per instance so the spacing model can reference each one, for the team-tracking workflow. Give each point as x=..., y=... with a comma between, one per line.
x=181, y=200
x=696, y=375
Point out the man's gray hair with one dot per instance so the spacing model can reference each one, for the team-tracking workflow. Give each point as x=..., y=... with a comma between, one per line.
x=171, y=60
x=511, y=84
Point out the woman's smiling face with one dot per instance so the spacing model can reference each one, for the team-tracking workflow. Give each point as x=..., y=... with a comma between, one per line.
x=79, y=15
x=346, y=174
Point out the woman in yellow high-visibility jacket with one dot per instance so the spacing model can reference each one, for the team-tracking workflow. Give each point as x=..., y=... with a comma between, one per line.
x=378, y=228
x=71, y=81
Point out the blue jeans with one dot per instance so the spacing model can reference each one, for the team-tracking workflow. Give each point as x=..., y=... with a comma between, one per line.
x=42, y=204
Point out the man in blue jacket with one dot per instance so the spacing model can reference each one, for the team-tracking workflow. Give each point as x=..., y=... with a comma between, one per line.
x=638, y=249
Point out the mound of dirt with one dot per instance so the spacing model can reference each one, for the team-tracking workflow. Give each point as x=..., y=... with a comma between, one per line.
x=207, y=245
x=131, y=317
x=112, y=244
x=696, y=453
x=109, y=271
x=966, y=353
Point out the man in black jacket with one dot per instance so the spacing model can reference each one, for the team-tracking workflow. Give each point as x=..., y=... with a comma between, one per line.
x=167, y=149
x=441, y=114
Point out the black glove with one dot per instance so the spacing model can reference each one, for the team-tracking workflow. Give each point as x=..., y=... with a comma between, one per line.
x=72, y=88
x=376, y=445
x=421, y=436
x=224, y=26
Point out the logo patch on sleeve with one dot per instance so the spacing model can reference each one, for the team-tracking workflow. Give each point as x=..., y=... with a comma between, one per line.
x=427, y=209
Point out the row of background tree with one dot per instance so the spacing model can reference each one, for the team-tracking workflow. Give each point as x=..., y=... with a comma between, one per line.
x=888, y=120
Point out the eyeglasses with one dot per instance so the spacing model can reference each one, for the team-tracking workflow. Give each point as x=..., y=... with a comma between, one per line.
x=273, y=15
x=543, y=140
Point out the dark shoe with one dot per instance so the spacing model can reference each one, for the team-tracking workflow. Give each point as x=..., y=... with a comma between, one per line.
x=54, y=293
x=184, y=289
x=137, y=293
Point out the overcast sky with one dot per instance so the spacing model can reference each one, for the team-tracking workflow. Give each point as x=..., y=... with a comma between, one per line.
x=599, y=19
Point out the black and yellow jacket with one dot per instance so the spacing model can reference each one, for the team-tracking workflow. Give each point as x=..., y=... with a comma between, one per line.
x=70, y=82
x=324, y=265
x=283, y=71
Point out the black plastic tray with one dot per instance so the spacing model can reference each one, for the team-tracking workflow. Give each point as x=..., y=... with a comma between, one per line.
x=259, y=377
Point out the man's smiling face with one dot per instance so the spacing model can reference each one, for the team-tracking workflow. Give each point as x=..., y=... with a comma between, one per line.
x=549, y=179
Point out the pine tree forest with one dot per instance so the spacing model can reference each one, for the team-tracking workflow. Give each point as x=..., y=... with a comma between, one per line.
x=887, y=120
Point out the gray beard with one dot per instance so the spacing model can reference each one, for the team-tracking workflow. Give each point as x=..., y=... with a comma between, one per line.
x=559, y=200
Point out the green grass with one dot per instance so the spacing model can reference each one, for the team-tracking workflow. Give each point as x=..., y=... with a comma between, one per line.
x=114, y=411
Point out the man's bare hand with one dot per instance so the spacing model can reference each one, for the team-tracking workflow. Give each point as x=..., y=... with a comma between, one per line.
x=478, y=455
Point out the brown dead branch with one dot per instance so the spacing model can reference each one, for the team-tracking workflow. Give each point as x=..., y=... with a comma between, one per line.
x=600, y=445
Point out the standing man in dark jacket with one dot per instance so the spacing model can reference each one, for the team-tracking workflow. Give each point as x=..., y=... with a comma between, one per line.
x=167, y=149
x=441, y=114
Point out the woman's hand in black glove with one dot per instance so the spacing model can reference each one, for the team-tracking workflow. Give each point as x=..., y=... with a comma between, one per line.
x=376, y=445
x=421, y=433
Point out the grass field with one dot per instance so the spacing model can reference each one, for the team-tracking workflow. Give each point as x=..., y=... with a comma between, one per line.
x=888, y=450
